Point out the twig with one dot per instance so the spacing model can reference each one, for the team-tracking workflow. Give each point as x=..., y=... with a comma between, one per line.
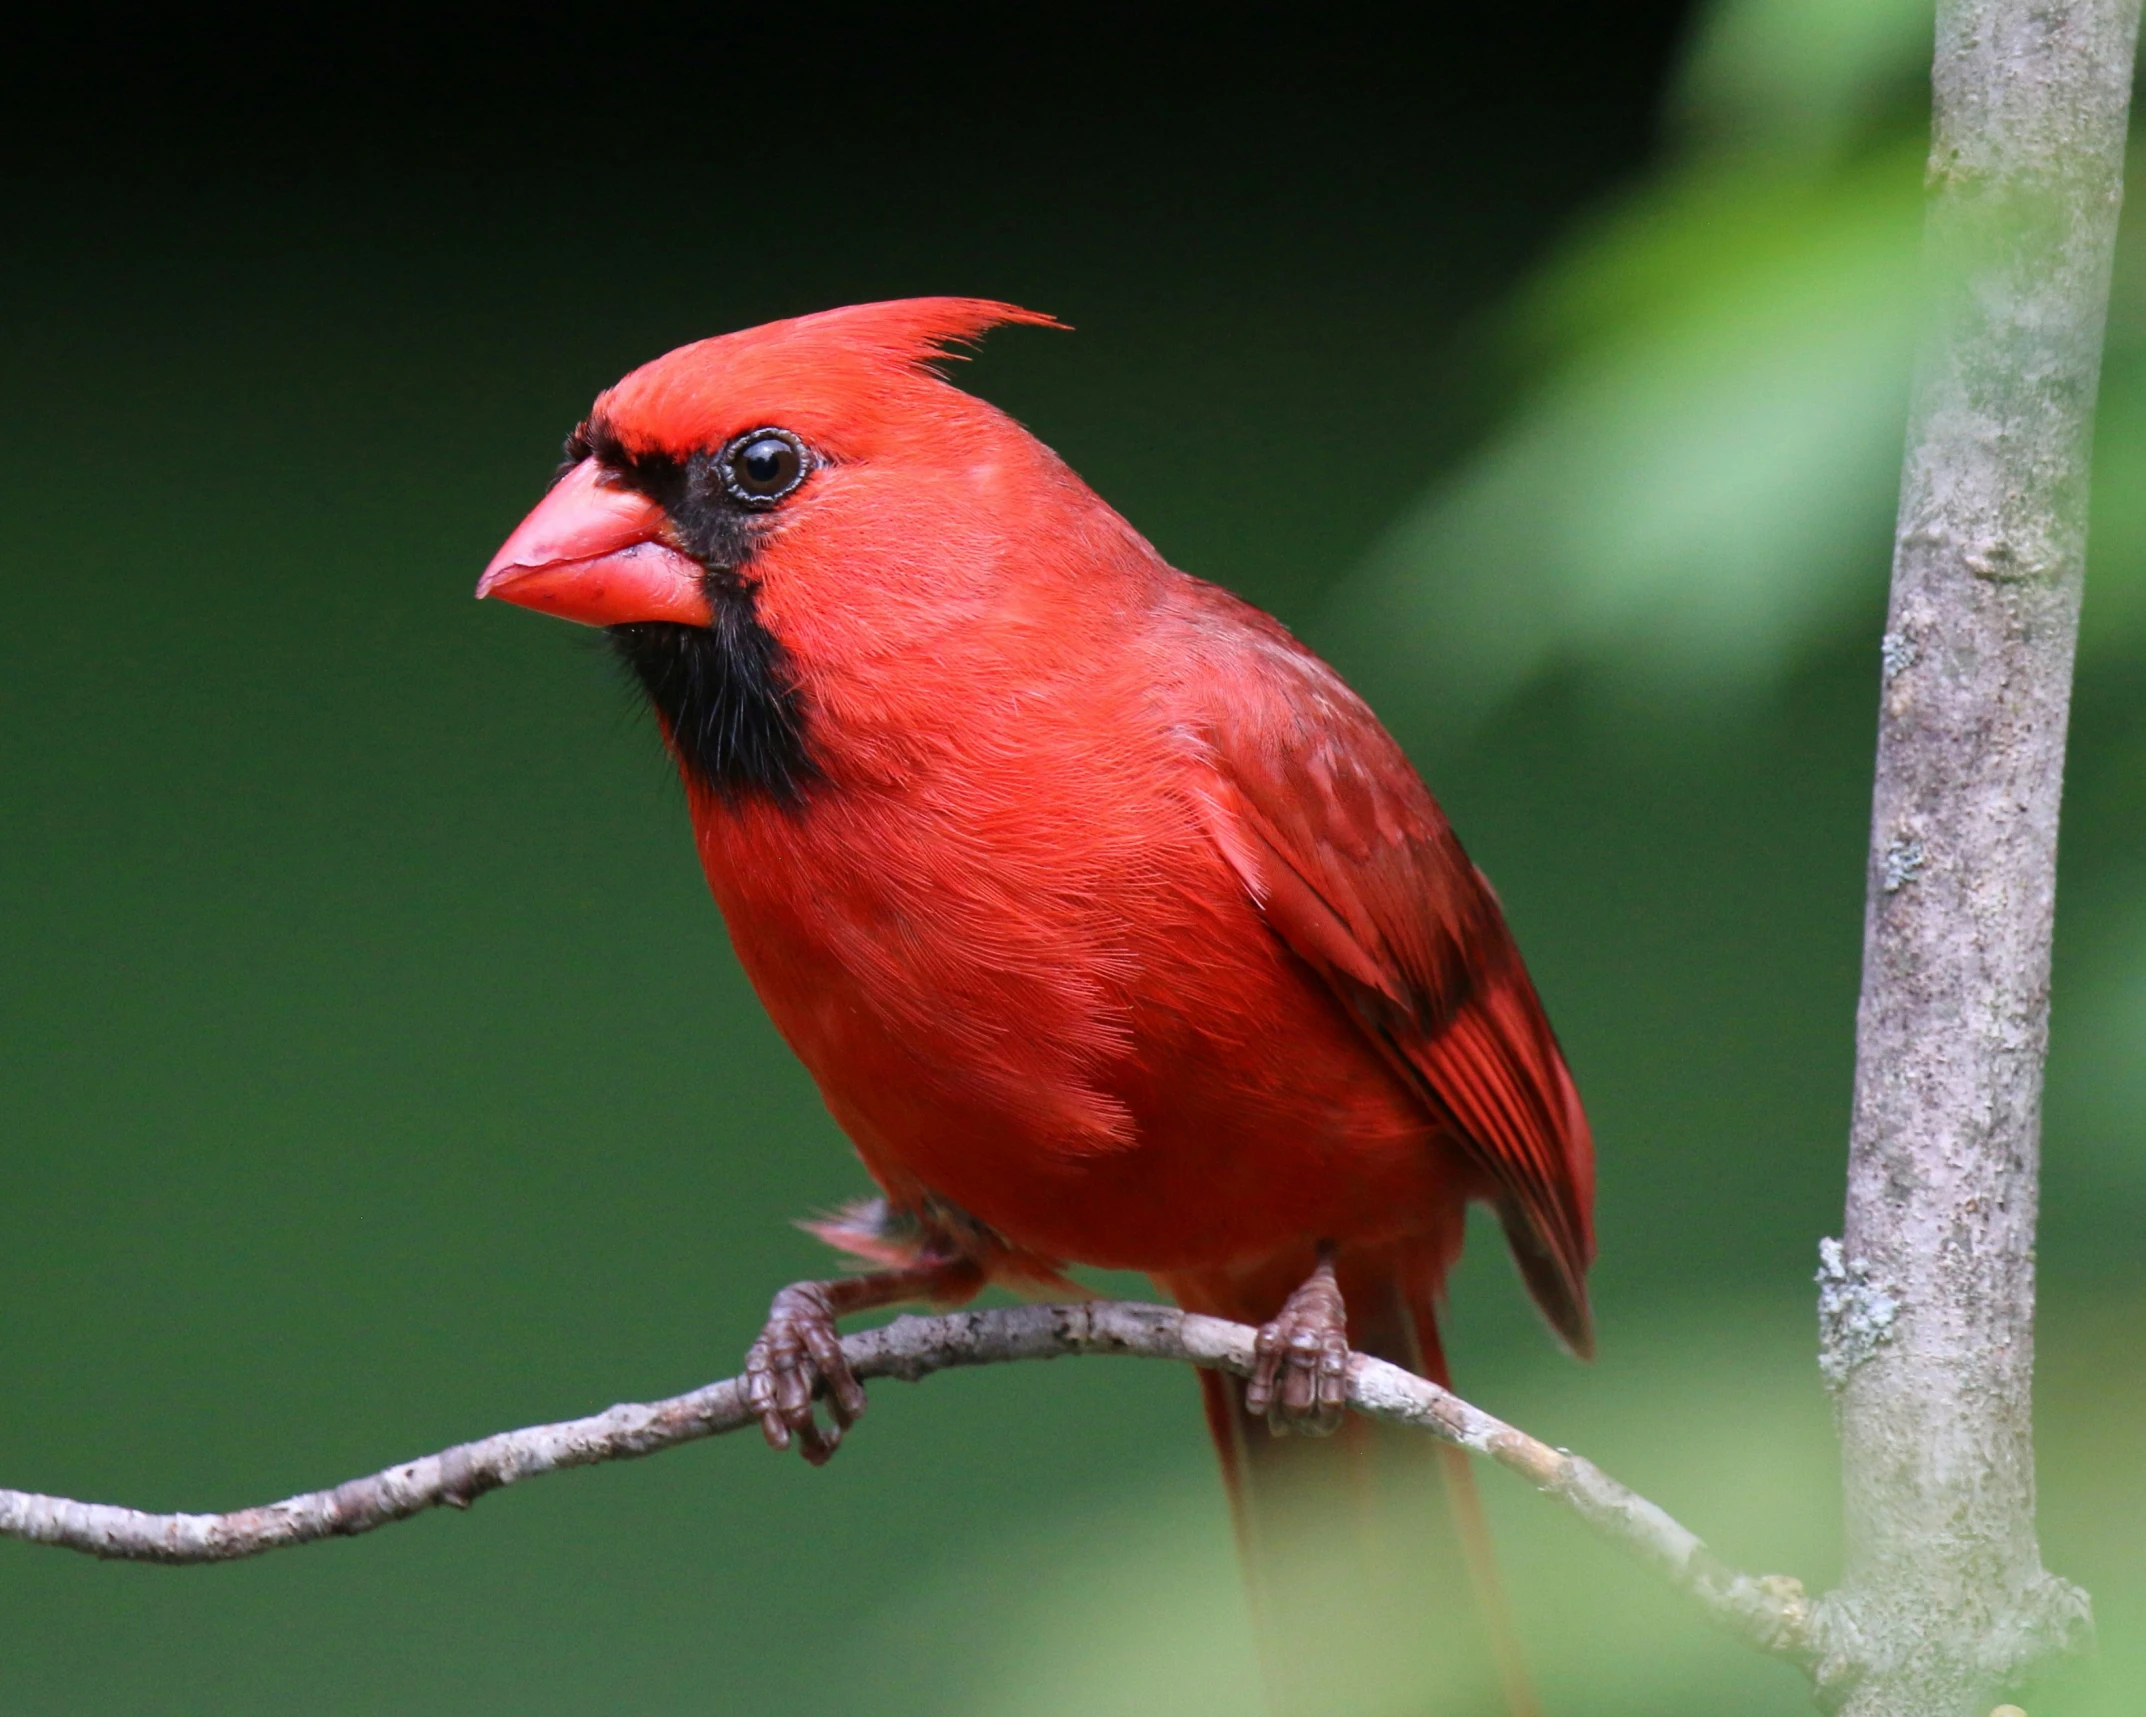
x=1771, y=1613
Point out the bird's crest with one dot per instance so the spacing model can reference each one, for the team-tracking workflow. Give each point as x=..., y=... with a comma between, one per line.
x=906, y=333
x=836, y=364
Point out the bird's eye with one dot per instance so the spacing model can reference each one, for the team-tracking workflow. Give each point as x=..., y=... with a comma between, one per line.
x=761, y=467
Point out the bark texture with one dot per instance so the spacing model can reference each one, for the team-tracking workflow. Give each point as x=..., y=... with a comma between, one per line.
x=1927, y=1303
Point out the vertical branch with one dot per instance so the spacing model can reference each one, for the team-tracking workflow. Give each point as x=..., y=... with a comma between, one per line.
x=1927, y=1307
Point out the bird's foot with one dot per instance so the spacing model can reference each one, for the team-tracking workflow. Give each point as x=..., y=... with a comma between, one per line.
x=799, y=1355
x=1300, y=1375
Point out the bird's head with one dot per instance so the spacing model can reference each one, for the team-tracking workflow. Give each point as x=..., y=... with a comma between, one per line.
x=727, y=507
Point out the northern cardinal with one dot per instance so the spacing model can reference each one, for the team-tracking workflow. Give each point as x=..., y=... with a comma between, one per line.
x=1114, y=928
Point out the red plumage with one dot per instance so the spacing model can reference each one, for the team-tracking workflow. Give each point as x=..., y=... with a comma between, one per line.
x=1106, y=917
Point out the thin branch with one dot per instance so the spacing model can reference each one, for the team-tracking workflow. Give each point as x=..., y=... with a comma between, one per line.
x=1770, y=1612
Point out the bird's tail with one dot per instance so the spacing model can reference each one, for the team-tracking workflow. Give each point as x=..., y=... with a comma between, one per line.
x=1367, y=1554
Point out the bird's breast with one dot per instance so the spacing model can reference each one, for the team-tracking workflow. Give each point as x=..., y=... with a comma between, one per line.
x=1034, y=987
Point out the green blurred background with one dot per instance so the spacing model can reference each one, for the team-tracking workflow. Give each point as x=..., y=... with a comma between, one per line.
x=373, y=1070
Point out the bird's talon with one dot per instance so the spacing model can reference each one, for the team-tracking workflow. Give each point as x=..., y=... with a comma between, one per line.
x=1300, y=1373
x=798, y=1355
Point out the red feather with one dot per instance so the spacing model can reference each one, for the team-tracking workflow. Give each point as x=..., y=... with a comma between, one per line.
x=1355, y=868
x=1112, y=925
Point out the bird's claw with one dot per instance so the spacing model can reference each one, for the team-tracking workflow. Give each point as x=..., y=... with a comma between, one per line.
x=798, y=1356
x=1300, y=1370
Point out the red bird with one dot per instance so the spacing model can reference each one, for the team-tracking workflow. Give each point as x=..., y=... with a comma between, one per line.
x=1114, y=928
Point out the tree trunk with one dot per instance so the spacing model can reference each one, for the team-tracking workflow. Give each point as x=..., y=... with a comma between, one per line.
x=1927, y=1305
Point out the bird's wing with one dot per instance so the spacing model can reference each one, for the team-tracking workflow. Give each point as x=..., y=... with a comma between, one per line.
x=1353, y=866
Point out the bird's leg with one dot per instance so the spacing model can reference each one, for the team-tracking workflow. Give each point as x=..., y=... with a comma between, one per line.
x=1300, y=1377
x=799, y=1353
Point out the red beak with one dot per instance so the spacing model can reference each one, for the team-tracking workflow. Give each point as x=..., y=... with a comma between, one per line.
x=598, y=553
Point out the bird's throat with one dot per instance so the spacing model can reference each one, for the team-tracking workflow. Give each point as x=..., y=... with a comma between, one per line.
x=726, y=695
